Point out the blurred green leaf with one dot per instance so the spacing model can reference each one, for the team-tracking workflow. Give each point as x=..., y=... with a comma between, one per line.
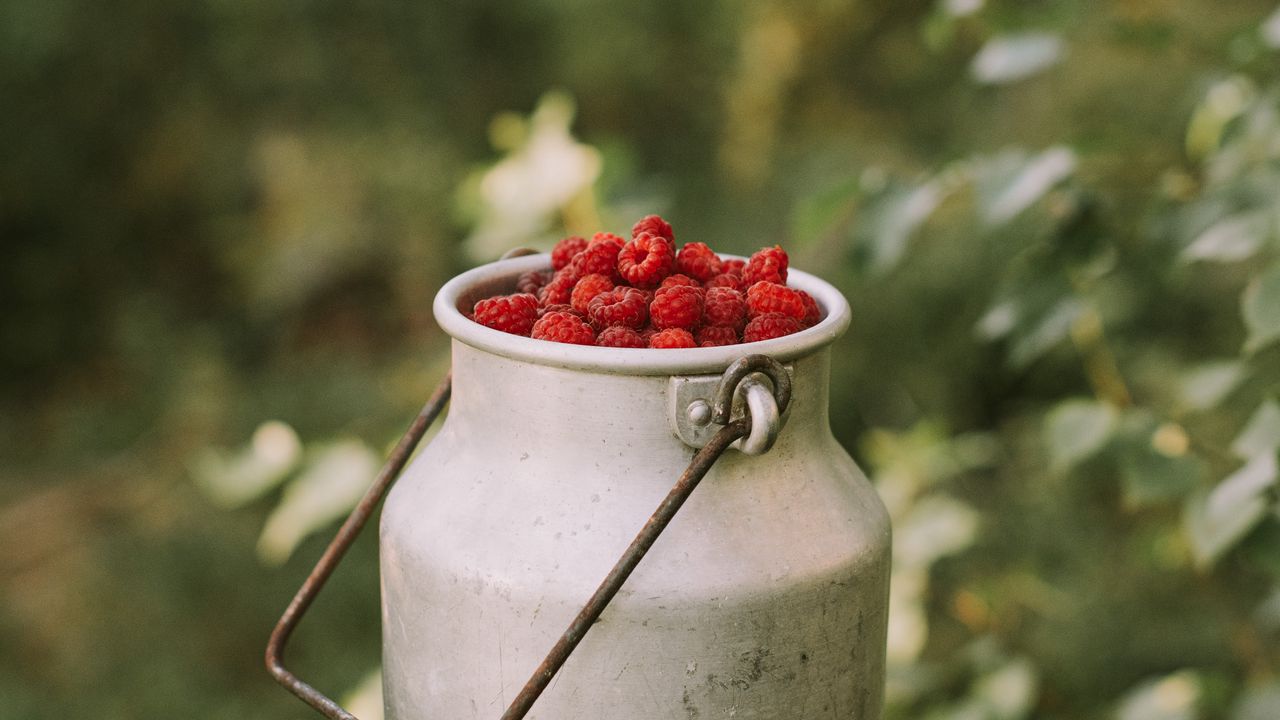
x=819, y=213
x=1270, y=32
x=1008, y=58
x=1204, y=386
x=1076, y=429
x=1174, y=697
x=1152, y=474
x=1231, y=239
x=894, y=218
x=1263, y=702
x=1216, y=521
x=234, y=479
x=1011, y=182
x=1009, y=692
x=333, y=481
x=1260, y=305
x=1261, y=434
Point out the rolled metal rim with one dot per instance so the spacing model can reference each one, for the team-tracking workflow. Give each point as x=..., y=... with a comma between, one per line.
x=461, y=293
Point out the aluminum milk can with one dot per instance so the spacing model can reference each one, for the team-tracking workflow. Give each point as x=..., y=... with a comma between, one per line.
x=765, y=596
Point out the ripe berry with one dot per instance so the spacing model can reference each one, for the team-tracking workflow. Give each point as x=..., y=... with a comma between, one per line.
x=733, y=266
x=563, y=327
x=728, y=280
x=514, y=314
x=724, y=306
x=678, y=279
x=678, y=306
x=587, y=288
x=767, y=265
x=716, y=335
x=532, y=281
x=768, y=297
x=654, y=225
x=672, y=338
x=698, y=261
x=620, y=337
x=563, y=307
x=620, y=306
x=769, y=326
x=600, y=256
x=559, y=289
x=812, y=314
x=564, y=251
x=646, y=260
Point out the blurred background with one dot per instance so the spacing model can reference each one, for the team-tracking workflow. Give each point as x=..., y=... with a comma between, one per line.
x=1057, y=222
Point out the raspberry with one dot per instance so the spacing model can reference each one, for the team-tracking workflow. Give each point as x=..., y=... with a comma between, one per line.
x=620, y=306
x=559, y=289
x=698, y=261
x=768, y=264
x=563, y=308
x=654, y=225
x=716, y=335
x=679, y=279
x=532, y=281
x=620, y=337
x=812, y=314
x=768, y=297
x=514, y=314
x=678, y=306
x=587, y=288
x=724, y=306
x=769, y=326
x=645, y=261
x=672, y=338
x=732, y=266
x=600, y=256
x=563, y=327
x=565, y=250
x=728, y=280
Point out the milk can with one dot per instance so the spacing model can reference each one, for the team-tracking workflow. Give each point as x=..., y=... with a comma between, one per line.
x=620, y=534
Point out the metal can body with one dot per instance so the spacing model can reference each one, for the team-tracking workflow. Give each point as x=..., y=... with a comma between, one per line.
x=766, y=597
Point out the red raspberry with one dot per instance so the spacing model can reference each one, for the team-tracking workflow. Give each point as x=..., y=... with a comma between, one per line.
x=601, y=256
x=678, y=306
x=698, y=261
x=564, y=308
x=565, y=250
x=733, y=266
x=724, y=306
x=559, y=289
x=769, y=264
x=716, y=335
x=646, y=260
x=812, y=314
x=514, y=314
x=679, y=279
x=672, y=338
x=728, y=280
x=587, y=288
x=648, y=332
x=768, y=297
x=769, y=326
x=654, y=225
x=620, y=306
x=532, y=281
x=620, y=337
x=563, y=327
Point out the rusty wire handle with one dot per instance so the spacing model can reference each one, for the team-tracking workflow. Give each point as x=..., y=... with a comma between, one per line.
x=698, y=467
x=338, y=548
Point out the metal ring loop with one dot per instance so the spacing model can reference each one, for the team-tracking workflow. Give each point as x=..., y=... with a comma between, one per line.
x=722, y=408
x=762, y=409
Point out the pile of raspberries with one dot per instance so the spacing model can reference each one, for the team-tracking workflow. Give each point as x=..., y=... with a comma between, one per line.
x=646, y=294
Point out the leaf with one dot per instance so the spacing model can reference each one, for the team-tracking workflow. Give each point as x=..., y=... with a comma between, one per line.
x=231, y=480
x=1008, y=58
x=331, y=484
x=897, y=218
x=1174, y=697
x=1263, y=702
x=1009, y=692
x=1149, y=476
x=1260, y=305
x=1270, y=31
x=1231, y=239
x=1261, y=434
x=1034, y=178
x=936, y=527
x=1053, y=327
x=1076, y=429
x=1217, y=521
x=1204, y=386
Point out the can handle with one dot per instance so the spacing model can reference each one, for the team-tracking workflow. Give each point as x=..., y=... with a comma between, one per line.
x=739, y=373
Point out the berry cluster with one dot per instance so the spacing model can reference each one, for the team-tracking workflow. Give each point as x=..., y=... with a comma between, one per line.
x=644, y=293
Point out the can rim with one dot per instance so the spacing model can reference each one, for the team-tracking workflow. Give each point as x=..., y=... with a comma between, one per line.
x=499, y=277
